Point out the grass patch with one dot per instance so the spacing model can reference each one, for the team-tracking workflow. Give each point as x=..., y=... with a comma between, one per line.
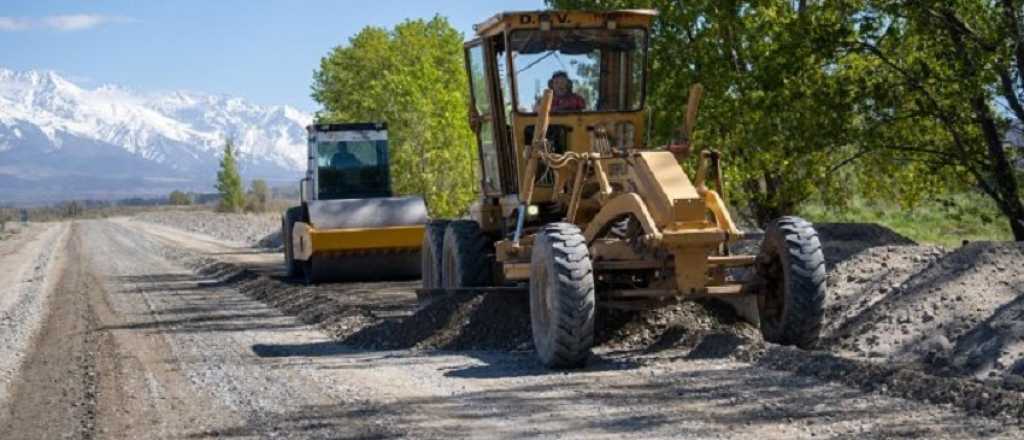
x=945, y=220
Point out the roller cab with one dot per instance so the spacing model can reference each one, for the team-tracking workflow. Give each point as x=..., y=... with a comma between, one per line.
x=350, y=226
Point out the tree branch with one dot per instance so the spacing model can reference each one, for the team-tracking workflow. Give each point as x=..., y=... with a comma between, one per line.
x=1010, y=94
x=1013, y=28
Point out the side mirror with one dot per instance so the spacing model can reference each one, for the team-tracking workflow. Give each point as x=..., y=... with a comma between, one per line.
x=304, y=189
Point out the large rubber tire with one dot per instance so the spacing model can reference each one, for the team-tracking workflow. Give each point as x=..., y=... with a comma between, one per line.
x=308, y=272
x=431, y=253
x=561, y=296
x=792, y=267
x=466, y=261
x=292, y=267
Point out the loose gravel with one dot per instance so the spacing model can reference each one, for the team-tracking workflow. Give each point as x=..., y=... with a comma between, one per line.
x=256, y=230
x=28, y=262
x=954, y=312
x=937, y=314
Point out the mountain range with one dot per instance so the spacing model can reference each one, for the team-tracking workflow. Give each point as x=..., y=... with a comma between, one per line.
x=61, y=141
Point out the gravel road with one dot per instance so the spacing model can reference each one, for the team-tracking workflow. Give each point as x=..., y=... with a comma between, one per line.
x=139, y=343
x=29, y=262
x=257, y=230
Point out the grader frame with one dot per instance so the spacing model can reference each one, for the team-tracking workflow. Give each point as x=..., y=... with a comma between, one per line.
x=585, y=216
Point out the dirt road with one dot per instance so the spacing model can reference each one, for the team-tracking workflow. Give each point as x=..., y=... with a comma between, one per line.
x=136, y=343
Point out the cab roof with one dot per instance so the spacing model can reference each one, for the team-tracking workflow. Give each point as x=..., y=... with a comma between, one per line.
x=505, y=21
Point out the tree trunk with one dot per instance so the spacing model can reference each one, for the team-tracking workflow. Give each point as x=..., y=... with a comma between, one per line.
x=768, y=204
x=1004, y=186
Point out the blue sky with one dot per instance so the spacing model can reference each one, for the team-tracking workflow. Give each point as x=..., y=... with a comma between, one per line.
x=262, y=50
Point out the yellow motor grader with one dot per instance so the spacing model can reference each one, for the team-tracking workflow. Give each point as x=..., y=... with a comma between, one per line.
x=577, y=210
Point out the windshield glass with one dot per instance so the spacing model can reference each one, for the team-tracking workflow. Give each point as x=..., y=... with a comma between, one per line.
x=587, y=69
x=352, y=169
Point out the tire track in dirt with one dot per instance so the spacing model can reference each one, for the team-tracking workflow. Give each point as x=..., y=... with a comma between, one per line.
x=55, y=396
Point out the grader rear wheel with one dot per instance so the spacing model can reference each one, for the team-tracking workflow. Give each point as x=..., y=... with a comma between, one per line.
x=791, y=266
x=431, y=253
x=465, y=260
x=562, y=296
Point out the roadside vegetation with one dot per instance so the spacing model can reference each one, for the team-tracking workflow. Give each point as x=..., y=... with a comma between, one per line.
x=413, y=78
x=885, y=100
x=229, y=182
x=947, y=220
x=179, y=198
x=6, y=216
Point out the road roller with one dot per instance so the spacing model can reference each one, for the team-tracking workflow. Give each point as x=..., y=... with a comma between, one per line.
x=350, y=226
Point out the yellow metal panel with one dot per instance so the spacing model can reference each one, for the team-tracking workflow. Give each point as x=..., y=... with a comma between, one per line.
x=674, y=183
x=564, y=19
x=664, y=185
x=629, y=203
x=392, y=237
x=685, y=237
x=516, y=271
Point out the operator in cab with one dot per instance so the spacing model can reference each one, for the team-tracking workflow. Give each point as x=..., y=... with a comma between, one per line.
x=564, y=99
x=343, y=159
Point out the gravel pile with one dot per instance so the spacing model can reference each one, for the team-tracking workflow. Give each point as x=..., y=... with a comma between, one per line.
x=958, y=312
x=256, y=230
x=387, y=316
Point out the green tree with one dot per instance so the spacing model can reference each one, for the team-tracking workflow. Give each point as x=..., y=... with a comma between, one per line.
x=897, y=100
x=948, y=89
x=229, y=183
x=413, y=78
x=258, y=197
x=179, y=198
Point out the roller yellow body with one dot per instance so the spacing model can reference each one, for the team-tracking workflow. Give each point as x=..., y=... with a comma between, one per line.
x=309, y=241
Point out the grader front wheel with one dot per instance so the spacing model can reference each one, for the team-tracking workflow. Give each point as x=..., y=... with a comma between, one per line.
x=562, y=296
x=791, y=267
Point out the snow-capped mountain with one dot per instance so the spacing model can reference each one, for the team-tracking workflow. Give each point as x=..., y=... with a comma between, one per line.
x=59, y=140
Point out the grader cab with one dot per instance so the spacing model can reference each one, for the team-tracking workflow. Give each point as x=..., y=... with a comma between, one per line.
x=576, y=209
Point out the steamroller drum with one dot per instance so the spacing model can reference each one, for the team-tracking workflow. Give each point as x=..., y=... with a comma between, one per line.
x=465, y=258
x=791, y=304
x=431, y=253
x=293, y=268
x=368, y=267
x=562, y=296
x=367, y=213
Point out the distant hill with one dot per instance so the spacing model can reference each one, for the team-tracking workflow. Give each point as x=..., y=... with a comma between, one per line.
x=60, y=141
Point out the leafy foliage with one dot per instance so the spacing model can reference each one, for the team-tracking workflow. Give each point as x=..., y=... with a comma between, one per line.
x=820, y=100
x=179, y=198
x=413, y=78
x=948, y=88
x=229, y=183
x=258, y=197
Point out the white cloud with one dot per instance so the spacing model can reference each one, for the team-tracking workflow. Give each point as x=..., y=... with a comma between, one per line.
x=74, y=22
x=14, y=24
